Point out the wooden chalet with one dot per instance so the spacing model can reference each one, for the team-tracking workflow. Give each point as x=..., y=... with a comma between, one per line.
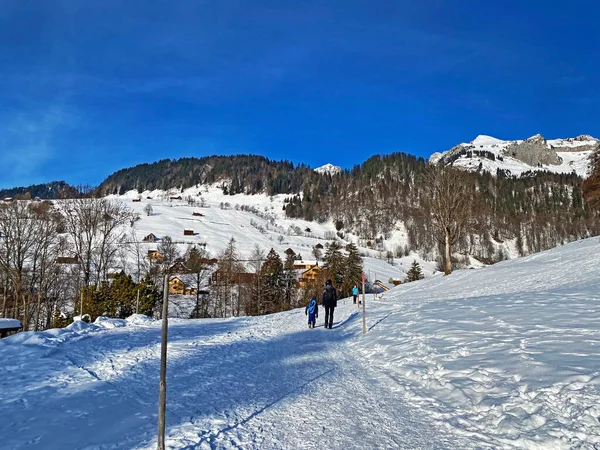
x=178, y=267
x=155, y=255
x=136, y=200
x=379, y=286
x=199, y=214
x=178, y=287
x=188, y=232
x=150, y=238
x=309, y=276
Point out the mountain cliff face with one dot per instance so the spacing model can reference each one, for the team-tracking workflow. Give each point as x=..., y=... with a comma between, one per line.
x=489, y=154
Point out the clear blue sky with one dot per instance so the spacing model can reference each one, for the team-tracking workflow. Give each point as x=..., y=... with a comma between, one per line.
x=90, y=87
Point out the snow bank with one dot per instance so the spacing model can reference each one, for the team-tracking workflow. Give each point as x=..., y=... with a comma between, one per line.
x=9, y=323
x=74, y=330
x=106, y=322
x=140, y=319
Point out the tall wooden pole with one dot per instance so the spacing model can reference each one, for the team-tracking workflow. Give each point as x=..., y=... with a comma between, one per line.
x=81, y=305
x=37, y=311
x=364, y=311
x=162, y=391
x=25, y=312
x=4, y=303
x=137, y=303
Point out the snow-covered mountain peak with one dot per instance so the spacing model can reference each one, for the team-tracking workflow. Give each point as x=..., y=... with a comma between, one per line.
x=482, y=139
x=536, y=153
x=537, y=138
x=329, y=168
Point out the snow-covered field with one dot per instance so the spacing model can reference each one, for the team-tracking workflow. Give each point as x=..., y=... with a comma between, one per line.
x=506, y=356
x=265, y=226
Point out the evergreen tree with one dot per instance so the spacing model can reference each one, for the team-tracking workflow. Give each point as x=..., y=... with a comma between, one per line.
x=334, y=262
x=353, y=269
x=272, y=284
x=122, y=298
x=149, y=296
x=414, y=273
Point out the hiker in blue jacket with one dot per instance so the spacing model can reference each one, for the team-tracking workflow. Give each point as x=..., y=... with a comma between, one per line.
x=312, y=311
x=329, y=302
x=354, y=293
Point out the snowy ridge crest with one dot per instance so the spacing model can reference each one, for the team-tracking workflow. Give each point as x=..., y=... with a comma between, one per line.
x=329, y=168
x=536, y=153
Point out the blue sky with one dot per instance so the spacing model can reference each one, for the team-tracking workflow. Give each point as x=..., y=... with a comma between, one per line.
x=88, y=88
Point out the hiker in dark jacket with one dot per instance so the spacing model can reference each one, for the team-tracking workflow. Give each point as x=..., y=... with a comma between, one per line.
x=312, y=311
x=329, y=302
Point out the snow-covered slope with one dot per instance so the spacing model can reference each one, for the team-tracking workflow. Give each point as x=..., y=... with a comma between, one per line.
x=516, y=157
x=249, y=219
x=500, y=357
x=329, y=168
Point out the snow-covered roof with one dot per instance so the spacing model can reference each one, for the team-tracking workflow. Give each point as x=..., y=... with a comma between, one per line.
x=9, y=323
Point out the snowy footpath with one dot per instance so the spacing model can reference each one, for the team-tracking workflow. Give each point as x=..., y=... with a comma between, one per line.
x=501, y=357
x=266, y=382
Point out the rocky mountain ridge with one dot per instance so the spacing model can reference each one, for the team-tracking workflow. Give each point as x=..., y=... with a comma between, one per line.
x=486, y=153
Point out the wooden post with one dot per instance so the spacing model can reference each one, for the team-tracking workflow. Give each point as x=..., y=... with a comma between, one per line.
x=81, y=305
x=137, y=303
x=364, y=311
x=162, y=391
x=25, y=312
x=4, y=303
x=37, y=311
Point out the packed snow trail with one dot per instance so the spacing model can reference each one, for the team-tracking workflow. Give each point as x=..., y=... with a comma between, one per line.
x=261, y=382
x=503, y=357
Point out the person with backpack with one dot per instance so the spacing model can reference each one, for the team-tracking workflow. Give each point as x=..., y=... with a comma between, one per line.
x=354, y=293
x=312, y=311
x=329, y=302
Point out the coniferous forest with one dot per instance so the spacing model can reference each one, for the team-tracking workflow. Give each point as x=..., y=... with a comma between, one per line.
x=539, y=209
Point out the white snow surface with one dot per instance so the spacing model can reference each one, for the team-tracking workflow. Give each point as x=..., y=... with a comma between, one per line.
x=573, y=159
x=506, y=356
x=9, y=323
x=266, y=225
x=329, y=168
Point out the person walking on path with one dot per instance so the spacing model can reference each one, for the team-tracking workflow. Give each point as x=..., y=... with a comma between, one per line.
x=329, y=302
x=312, y=311
x=354, y=293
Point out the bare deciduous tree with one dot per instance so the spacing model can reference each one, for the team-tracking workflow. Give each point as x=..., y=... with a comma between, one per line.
x=446, y=204
x=197, y=263
x=94, y=228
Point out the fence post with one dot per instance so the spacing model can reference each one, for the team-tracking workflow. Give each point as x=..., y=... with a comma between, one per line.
x=364, y=312
x=162, y=391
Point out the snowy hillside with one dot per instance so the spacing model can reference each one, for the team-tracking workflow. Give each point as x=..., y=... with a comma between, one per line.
x=329, y=168
x=501, y=357
x=536, y=153
x=251, y=220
